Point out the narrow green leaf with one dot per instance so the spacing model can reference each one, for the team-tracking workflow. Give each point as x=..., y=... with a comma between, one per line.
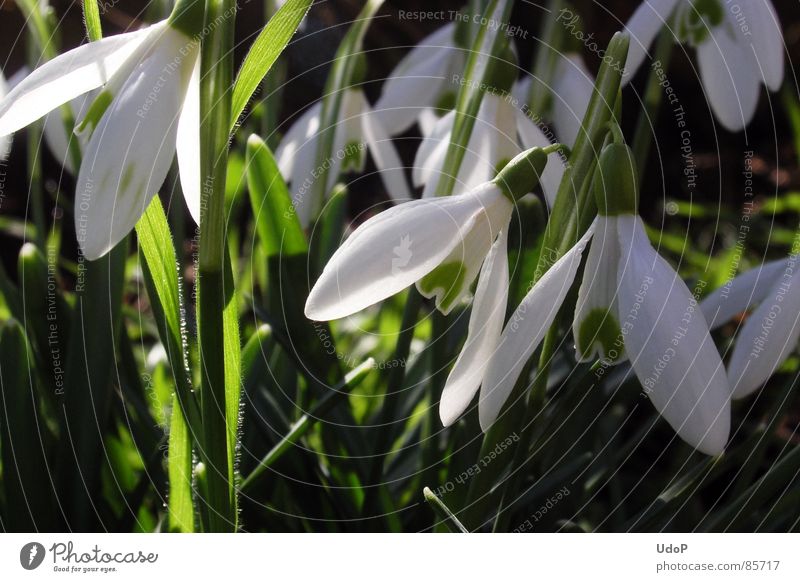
x=91, y=18
x=181, y=508
x=26, y=480
x=264, y=52
x=163, y=288
x=341, y=75
x=299, y=428
x=487, y=47
x=444, y=513
x=233, y=368
x=88, y=386
x=276, y=220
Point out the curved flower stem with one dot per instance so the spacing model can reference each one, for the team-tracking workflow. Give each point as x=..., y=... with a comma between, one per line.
x=215, y=292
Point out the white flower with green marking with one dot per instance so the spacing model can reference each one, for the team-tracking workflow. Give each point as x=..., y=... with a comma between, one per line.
x=501, y=132
x=424, y=82
x=437, y=243
x=358, y=130
x=771, y=332
x=739, y=47
x=146, y=108
x=631, y=302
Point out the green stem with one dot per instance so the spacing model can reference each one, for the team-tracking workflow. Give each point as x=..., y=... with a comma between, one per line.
x=573, y=212
x=550, y=43
x=215, y=112
x=388, y=411
x=653, y=99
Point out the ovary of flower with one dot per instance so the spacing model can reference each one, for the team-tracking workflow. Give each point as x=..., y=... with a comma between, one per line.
x=771, y=333
x=146, y=108
x=359, y=129
x=739, y=47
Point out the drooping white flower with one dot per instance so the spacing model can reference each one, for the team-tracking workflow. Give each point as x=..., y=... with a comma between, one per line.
x=148, y=103
x=501, y=132
x=55, y=131
x=438, y=243
x=772, y=330
x=630, y=302
x=570, y=88
x=421, y=83
x=739, y=47
x=359, y=130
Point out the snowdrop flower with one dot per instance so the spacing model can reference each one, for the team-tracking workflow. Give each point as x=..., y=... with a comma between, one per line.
x=422, y=83
x=570, y=88
x=501, y=132
x=771, y=332
x=739, y=47
x=630, y=302
x=359, y=130
x=147, y=107
x=438, y=243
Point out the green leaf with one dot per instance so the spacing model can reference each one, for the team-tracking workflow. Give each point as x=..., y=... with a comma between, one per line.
x=486, y=49
x=341, y=76
x=25, y=479
x=91, y=17
x=444, y=513
x=299, y=428
x=160, y=270
x=264, y=52
x=276, y=220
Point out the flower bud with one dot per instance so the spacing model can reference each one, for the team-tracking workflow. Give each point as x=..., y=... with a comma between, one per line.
x=615, y=181
x=521, y=175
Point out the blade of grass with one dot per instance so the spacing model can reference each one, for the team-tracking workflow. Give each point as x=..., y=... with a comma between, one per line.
x=264, y=52
x=444, y=513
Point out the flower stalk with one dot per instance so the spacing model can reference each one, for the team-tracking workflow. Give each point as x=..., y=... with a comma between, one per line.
x=213, y=293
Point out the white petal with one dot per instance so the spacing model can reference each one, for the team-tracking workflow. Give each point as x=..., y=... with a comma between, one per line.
x=132, y=147
x=769, y=336
x=5, y=141
x=573, y=86
x=188, y=144
x=669, y=345
x=525, y=330
x=67, y=76
x=430, y=154
x=737, y=295
x=532, y=136
x=598, y=295
x=391, y=251
x=643, y=27
x=55, y=132
x=450, y=282
x=763, y=32
x=427, y=120
x=483, y=335
x=387, y=161
x=298, y=142
x=522, y=90
x=731, y=78
x=417, y=82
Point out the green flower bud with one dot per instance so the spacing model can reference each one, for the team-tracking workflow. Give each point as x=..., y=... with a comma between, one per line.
x=615, y=181
x=521, y=175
